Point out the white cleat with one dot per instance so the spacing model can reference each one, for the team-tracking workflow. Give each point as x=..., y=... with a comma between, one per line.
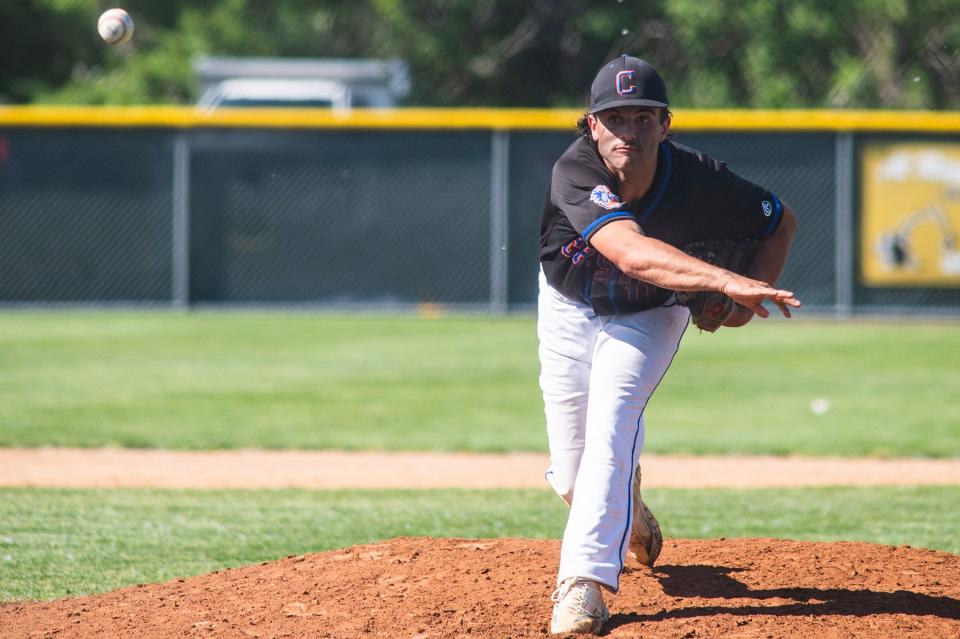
x=646, y=541
x=579, y=608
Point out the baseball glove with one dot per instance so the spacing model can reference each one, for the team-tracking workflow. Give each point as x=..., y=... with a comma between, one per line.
x=710, y=309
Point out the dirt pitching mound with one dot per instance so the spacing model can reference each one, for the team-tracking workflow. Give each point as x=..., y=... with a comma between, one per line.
x=431, y=588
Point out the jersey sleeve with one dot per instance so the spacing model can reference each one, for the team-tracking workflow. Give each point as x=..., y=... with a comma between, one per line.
x=748, y=210
x=587, y=196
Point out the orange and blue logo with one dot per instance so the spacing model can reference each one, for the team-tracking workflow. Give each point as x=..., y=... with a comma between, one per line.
x=603, y=196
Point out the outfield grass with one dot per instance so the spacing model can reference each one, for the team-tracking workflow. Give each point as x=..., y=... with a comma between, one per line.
x=55, y=543
x=275, y=380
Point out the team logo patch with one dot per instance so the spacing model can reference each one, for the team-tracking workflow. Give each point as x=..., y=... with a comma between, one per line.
x=603, y=196
x=767, y=207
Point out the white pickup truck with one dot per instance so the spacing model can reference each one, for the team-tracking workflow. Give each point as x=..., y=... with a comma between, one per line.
x=340, y=84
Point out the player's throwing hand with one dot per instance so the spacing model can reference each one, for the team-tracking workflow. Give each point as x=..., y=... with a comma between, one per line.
x=752, y=293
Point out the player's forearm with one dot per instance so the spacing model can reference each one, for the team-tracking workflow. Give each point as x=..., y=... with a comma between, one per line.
x=651, y=260
x=668, y=267
x=772, y=251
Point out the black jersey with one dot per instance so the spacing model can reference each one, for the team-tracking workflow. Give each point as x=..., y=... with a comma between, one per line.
x=692, y=197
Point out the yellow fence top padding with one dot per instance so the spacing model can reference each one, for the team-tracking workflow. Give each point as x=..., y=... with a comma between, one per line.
x=186, y=117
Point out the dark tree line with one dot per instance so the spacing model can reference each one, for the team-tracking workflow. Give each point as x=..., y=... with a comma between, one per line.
x=893, y=54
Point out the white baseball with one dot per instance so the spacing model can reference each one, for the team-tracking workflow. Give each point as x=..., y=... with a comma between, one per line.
x=115, y=26
x=819, y=406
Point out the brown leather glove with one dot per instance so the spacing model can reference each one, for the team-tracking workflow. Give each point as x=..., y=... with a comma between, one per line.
x=709, y=309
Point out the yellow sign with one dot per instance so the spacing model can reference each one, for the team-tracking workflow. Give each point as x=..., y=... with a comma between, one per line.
x=910, y=214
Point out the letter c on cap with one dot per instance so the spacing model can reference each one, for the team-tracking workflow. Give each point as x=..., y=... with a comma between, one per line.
x=625, y=85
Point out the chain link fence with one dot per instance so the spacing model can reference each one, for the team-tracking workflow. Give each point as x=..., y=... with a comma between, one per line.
x=85, y=216
x=340, y=218
x=372, y=218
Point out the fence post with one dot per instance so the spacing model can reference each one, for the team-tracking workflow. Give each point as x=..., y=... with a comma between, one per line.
x=499, y=210
x=180, y=297
x=844, y=240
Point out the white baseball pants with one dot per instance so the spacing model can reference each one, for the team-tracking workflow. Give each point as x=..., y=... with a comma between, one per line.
x=597, y=374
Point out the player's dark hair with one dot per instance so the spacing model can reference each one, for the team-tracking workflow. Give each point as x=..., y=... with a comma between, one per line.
x=583, y=128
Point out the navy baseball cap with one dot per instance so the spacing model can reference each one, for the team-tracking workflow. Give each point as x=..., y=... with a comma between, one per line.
x=627, y=81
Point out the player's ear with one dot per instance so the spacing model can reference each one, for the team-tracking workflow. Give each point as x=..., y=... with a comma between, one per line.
x=666, y=118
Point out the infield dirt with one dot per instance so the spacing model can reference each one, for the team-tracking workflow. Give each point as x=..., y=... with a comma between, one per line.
x=125, y=468
x=420, y=588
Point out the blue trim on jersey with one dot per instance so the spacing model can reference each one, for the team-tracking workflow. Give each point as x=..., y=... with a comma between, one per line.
x=604, y=219
x=635, y=461
x=775, y=218
x=667, y=171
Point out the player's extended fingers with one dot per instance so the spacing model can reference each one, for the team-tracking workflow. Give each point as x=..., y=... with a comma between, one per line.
x=784, y=300
x=759, y=309
x=783, y=308
x=786, y=297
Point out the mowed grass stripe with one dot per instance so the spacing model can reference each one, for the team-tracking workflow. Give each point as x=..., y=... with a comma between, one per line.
x=285, y=380
x=56, y=543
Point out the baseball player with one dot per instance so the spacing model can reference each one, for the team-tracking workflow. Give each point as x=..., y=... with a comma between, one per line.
x=623, y=198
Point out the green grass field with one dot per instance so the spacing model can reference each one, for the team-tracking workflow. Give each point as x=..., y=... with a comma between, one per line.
x=275, y=380
x=56, y=543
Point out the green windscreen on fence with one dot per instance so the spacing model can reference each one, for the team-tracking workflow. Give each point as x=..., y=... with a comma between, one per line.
x=334, y=217
x=85, y=216
x=382, y=218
